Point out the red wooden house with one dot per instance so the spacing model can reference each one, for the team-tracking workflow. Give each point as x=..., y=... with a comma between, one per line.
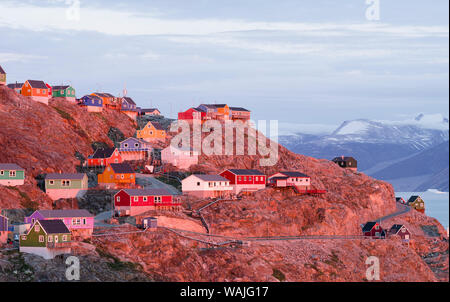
x=244, y=180
x=192, y=114
x=131, y=202
x=373, y=229
x=401, y=231
x=103, y=157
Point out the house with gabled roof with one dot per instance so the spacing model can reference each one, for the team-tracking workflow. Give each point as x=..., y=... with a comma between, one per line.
x=346, y=162
x=149, y=111
x=79, y=222
x=46, y=238
x=64, y=91
x=401, y=231
x=104, y=156
x=240, y=114
x=36, y=90
x=17, y=87
x=206, y=186
x=416, y=202
x=193, y=114
x=2, y=76
x=92, y=103
x=109, y=100
x=152, y=131
x=373, y=229
x=128, y=106
x=245, y=180
x=179, y=157
x=135, y=149
x=216, y=111
x=11, y=175
x=132, y=202
x=290, y=178
x=400, y=200
x=117, y=176
x=66, y=185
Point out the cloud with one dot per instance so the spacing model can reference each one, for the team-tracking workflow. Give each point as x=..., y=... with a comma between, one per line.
x=17, y=57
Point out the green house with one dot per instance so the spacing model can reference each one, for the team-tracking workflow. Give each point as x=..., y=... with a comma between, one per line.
x=65, y=185
x=2, y=76
x=11, y=175
x=63, y=92
x=46, y=238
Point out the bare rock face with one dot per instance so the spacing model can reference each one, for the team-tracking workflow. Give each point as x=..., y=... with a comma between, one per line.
x=47, y=139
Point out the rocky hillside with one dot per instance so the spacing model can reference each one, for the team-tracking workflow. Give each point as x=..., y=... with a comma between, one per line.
x=46, y=139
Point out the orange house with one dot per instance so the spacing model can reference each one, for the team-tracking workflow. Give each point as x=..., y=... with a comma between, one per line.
x=36, y=90
x=152, y=131
x=109, y=101
x=117, y=176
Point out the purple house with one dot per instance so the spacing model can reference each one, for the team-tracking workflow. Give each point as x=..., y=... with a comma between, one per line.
x=3, y=229
x=79, y=222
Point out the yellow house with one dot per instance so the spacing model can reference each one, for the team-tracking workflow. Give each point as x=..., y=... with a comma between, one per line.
x=152, y=131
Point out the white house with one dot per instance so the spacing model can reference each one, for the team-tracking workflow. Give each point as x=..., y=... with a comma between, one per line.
x=178, y=157
x=204, y=185
x=290, y=178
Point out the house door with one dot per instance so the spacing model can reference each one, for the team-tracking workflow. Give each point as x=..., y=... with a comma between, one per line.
x=145, y=223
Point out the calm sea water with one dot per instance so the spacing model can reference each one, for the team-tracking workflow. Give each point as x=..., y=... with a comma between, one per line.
x=436, y=204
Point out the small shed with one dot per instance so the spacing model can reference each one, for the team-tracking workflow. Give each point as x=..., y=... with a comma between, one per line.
x=401, y=231
x=149, y=222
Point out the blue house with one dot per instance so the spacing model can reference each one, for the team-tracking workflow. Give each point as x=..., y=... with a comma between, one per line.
x=128, y=103
x=92, y=102
x=135, y=149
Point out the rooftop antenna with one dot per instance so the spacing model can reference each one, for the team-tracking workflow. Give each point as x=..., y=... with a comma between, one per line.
x=125, y=91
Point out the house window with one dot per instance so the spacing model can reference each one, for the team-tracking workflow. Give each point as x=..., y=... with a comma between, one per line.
x=125, y=145
x=64, y=238
x=50, y=239
x=12, y=173
x=239, y=178
x=198, y=184
x=122, y=176
x=118, y=198
x=65, y=183
x=36, y=228
x=136, y=145
x=24, y=237
x=256, y=178
x=131, y=176
x=116, y=161
x=136, y=198
x=145, y=198
x=2, y=172
x=56, y=238
x=158, y=199
x=245, y=178
x=250, y=178
x=52, y=182
x=84, y=221
x=76, y=221
x=41, y=238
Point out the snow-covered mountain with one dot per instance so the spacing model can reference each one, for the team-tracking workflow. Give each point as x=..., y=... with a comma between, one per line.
x=375, y=144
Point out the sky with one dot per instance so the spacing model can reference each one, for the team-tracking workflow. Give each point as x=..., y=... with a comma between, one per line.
x=310, y=64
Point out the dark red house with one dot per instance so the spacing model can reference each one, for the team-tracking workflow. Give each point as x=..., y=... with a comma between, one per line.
x=244, y=180
x=104, y=157
x=401, y=231
x=131, y=202
x=192, y=114
x=373, y=229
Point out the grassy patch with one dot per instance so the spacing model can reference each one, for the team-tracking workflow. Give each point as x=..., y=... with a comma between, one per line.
x=278, y=274
x=170, y=181
x=63, y=114
x=117, y=264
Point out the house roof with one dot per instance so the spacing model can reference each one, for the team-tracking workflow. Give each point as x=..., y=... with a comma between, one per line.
x=413, y=198
x=293, y=174
x=129, y=100
x=369, y=226
x=15, y=85
x=395, y=228
x=343, y=158
x=198, y=109
x=245, y=172
x=37, y=84
x=122, y=168
x=11, y=167
x=104, y=95
x=94, y=97
x=64, y=87
x=214, y=105
x=147, y=192
x=65, y=176
x=64, y=213
x=103, y=153
x=210, y=177
x=398, y=199
x=1, y=70
x=149, y=110
x=239, y=109
x=135, y=139
x=54, y=226
x=156, y=125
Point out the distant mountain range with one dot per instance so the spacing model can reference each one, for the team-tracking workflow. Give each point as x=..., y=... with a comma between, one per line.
x=412, y=155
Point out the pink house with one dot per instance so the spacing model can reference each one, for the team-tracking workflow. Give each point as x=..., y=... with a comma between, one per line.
x=79, y=222
x=179, y=157
x=290, y=179
x=205, y=185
